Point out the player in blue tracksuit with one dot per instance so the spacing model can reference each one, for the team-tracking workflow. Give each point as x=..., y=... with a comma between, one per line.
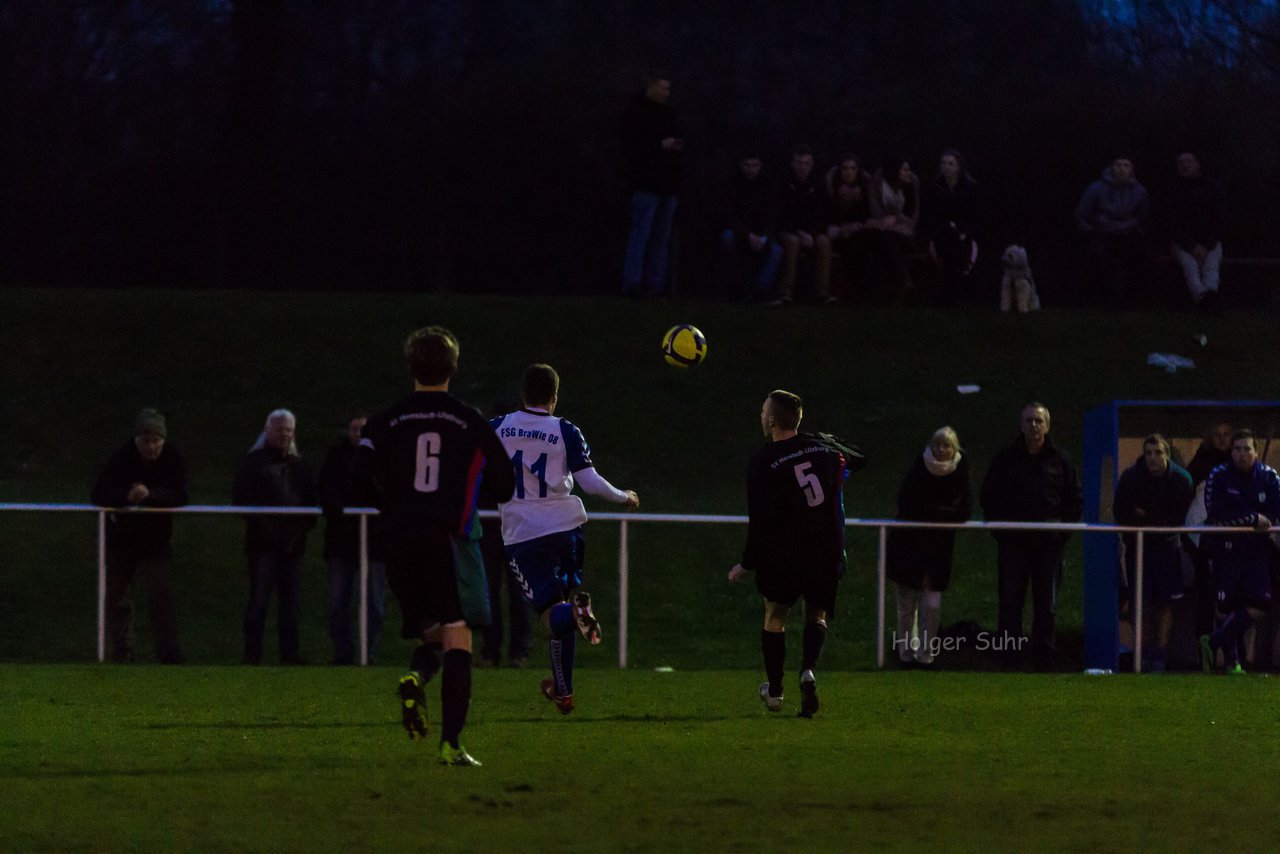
x=1243, y=493
x=542, y=523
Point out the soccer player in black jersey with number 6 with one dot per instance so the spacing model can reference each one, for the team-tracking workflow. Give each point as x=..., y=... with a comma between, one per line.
x=429, y=456
x=795, y=538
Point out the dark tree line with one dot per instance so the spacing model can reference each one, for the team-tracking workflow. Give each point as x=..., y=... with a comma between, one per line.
x=401, y=144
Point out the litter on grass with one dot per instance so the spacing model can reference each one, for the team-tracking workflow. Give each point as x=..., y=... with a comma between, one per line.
x=968, y=389
x=1169, y=361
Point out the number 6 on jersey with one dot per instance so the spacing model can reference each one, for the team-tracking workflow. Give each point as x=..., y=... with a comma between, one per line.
x=426, y=471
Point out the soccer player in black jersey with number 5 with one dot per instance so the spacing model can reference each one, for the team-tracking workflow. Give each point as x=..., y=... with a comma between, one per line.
x=429, y=457
x=795, y=538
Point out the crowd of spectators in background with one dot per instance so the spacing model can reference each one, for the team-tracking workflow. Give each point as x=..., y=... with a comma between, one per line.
x=854, y=231
x=1226, y=483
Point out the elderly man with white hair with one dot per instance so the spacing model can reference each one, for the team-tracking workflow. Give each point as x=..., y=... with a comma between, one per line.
x=274, y=475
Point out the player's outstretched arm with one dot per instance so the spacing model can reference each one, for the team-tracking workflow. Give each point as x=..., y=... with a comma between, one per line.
x=593, y=483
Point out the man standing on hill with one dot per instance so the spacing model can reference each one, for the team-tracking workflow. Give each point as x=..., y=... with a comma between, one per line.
x=146, y=471
x=795, y=538
x=1030, y=481
x=432, y=455
x=1243, y=493
x=651, y=146
x=542, y=523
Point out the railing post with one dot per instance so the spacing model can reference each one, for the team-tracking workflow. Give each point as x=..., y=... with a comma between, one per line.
x=364, y=589
x=1137, y=604
x=880, y=585
x=623, y=571
x=102, y=585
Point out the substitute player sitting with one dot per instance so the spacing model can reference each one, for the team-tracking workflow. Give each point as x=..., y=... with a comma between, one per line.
x=795, y=538
x=542, y=523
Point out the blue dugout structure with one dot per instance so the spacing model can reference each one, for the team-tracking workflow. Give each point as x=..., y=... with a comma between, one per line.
x=1113, y=434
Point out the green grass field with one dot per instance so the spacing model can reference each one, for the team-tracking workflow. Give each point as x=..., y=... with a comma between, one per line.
x=209, y=757
x=213, y=758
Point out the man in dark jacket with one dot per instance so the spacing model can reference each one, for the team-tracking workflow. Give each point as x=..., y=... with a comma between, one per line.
x=273, y=475
x=1030, y=481
x=144, y=472
x=651, y=146
x=748, y=238
x=342, y=551
x=1155, y=492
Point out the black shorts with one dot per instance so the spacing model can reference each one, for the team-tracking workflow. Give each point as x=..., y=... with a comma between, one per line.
x=817, y=586
x=425, y=581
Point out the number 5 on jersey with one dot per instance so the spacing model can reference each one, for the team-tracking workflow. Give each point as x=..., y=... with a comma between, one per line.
x=809, y=483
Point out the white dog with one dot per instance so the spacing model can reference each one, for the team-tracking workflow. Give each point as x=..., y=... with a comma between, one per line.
x=1018, y=286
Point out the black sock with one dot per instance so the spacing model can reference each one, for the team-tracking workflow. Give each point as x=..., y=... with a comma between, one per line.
x=426, y=661
x=455, y=695
x=815, y=636
x=774, y=647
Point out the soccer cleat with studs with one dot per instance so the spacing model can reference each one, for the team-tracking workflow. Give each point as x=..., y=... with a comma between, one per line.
x=587, y=622
x=773, y=704
x=564, y=704
x=808, y=695
x=457, y=756
x=413, y=706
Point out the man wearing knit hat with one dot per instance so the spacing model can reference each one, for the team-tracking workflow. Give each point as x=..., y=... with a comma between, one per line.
x=146, y=471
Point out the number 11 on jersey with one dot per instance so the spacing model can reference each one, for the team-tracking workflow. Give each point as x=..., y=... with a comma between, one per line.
x=538, y=467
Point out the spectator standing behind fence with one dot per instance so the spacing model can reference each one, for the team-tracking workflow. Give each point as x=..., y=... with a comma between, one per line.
x=342, y=551
x=146, y=471
x=1113, y=217
x=949, y=222
x=802, y=230
x=848, y=193
x=749, y=240
x=1214, y=450
x=274, y=475
x=651, y=146
x=895, y=211
x=1242, y=493
x=1030, y=481
x=918, y=561
x=1197, y=210
x=1154, y=492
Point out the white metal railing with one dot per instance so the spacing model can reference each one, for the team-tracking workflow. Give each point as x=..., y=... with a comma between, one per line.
x=623, y=520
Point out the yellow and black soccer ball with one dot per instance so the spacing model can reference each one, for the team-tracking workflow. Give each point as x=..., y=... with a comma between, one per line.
x=684, y=346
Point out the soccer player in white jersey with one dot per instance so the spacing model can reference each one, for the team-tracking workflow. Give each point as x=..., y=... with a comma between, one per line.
x=542, y=523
